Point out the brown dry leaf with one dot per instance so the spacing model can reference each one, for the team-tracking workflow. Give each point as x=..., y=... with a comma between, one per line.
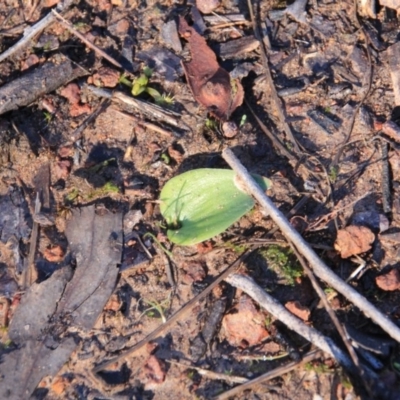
x=155, y=370
x=298, y=310
x=211, y=85
x=207, y=6
x=105, y=77
x=389, y=281
x=245, y=327
x=353, y=240
x=72, y=93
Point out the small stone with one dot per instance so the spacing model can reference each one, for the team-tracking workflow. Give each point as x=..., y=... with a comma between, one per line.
x=59, y=385
x=389, y=281
x=229, y=129
x=113, y=304
x=194, y=272
x=32, y=60
x=54, y=254
x=79, y=109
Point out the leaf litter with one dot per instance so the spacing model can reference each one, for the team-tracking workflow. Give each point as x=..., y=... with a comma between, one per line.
x=294, y=54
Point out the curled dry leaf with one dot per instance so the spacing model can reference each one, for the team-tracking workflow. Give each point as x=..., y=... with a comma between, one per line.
x=389, y=281
x=211, y=85
x=353, y=240
x=245, y=326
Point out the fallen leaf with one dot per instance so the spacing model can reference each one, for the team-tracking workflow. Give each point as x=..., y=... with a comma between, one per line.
x=207, y=6
x=155, y=370
x=105, y=77
x=298, y=310
x=78, y=109
x=72, y=93
x=194, y=272
x=389, y=281
x=353, y=240
x=245, y=326
x=210, y=84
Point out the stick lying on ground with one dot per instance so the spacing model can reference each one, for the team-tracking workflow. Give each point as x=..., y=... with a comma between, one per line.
x=318, y=266
x=266, y=301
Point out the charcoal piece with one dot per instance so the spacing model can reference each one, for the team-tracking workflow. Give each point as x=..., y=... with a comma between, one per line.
x=237, y=47
x=34, y=84
x=376, y=344
x=42, y=321
x=163, y=61
x=169, y=33
x=327, y=124
x=201, y=342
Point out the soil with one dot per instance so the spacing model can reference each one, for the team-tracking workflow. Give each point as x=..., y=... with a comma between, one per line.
x=327, y=69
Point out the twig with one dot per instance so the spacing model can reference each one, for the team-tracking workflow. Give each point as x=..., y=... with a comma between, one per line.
x=312, y=355
x=385, y=183
x=32, y=31
x=144, y=124
x=151, y=110
x=329, y=310
x=77, y=133
x=178, y=315
x=270, y=83
x=247, y=285
x=318, y=266
x=102, y=53
x=211, y=374
x=27, y=277
x=369, y=84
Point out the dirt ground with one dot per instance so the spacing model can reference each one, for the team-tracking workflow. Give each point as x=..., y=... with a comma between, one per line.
x=324, y=131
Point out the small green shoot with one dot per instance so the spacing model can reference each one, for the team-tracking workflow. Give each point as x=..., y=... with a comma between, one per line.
x=165, y=158
x=211, y=124
x=47, y=116
x=159, y=307
x=167, y=252
x=281, y=259
x=333, y=173
x=243, y=120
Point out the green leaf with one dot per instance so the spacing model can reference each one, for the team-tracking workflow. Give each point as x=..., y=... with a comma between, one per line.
x=155, y=94
x=202, y=203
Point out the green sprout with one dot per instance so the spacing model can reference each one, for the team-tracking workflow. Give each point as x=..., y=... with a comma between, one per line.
x=333, y=173
x=281, y=259
x=157, y=309
x=243, y=120
x=141, y=85
x=47, y=116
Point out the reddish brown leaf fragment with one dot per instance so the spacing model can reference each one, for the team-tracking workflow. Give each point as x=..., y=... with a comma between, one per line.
x=389, y=281
x=211, y=85
x=207, y=6
x=155, y=370
x=245, y=327
x=353, y=240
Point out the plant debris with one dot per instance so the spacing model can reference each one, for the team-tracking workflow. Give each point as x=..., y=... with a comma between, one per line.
x=354, y=240
x=211, y=85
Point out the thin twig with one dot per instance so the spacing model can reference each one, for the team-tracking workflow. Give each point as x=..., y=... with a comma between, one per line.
x=102, y=53
x=32, y=31
x=336, y=160
x=29, y=272
x=318, y=266
x=329, y=310
x=276, y=100
x=176, y=317
x=247, y=285
x=211, y=374
x=312, y=355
